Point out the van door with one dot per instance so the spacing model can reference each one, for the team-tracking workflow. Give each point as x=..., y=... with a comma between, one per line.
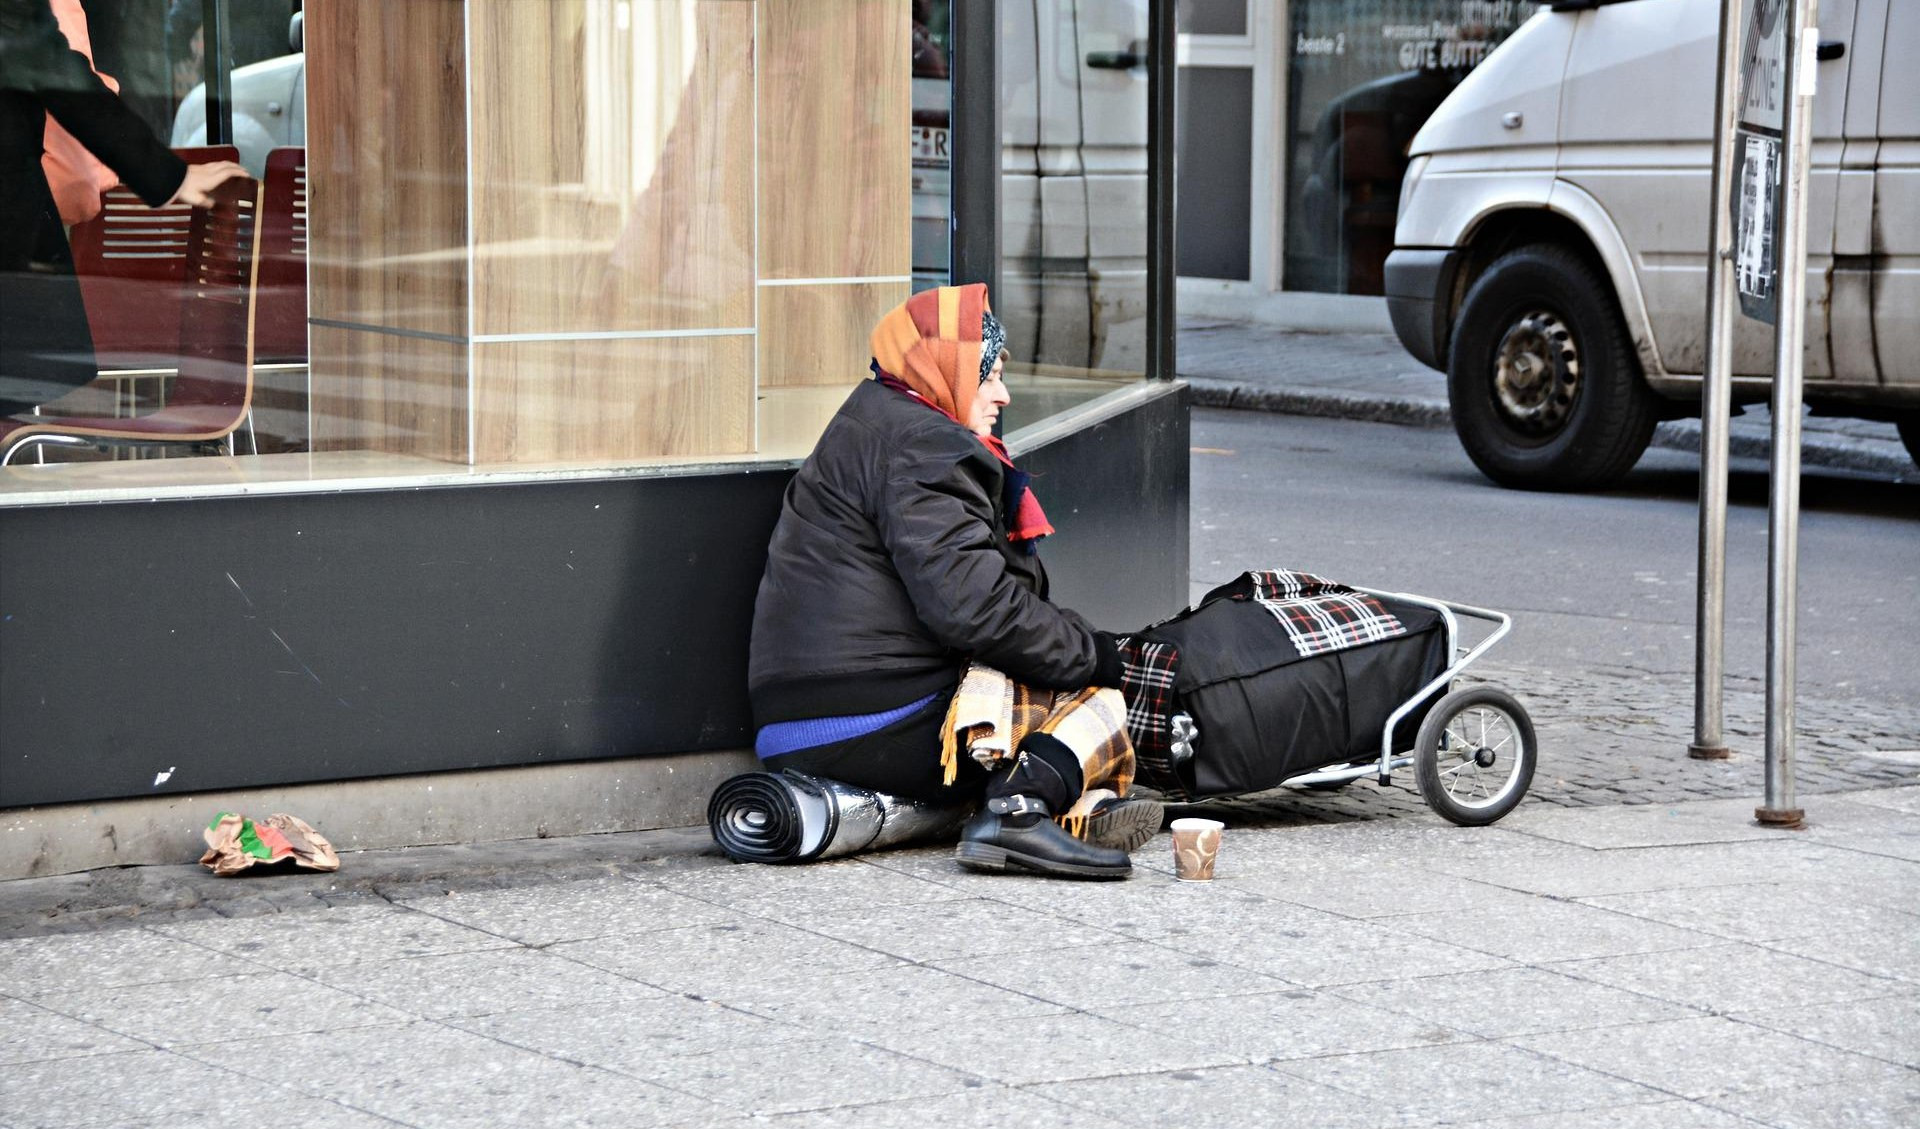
x=1850, y=291
x=1896, y=203
x=1636, y=130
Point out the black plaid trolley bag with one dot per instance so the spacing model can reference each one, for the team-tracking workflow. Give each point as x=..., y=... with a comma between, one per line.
x=1281, y=673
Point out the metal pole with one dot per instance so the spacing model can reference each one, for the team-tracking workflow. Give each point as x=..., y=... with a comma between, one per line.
x=1716, y=409
x=1783, y=501
x=1163, y=73
x=975, y=144
x=214, y=50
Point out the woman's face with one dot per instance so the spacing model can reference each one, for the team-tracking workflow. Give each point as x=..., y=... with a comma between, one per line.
x=988, y=401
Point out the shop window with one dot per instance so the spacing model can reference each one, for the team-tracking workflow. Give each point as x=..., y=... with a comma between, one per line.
x=586, y=236
x=1073, y=235
x=1363, y=78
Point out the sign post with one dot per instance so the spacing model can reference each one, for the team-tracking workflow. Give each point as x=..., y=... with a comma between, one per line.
x=1716, y=410
x=1762, y=149
x=1784, y=249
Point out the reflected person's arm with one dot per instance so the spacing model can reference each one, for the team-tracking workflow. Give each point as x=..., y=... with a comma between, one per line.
x=36, y=60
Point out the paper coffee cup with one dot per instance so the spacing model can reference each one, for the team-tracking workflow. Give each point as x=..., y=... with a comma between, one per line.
x=1196, y=844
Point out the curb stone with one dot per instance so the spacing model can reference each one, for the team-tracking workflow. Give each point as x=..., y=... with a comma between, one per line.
x=1422, y=411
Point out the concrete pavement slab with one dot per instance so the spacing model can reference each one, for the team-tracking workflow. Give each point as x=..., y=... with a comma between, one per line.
x=1705, y=1056
x=1892, y=956
x=634, y=1036
x=986, y=1107
x=480, y=983
x=1546, y=930
x=1730, y=978
x=707, y=960
x=869, y=1004
x=113, y=958
x=1131, y=972
x=1297, y=1023
x=1381, y=892
x=30, y=1033
x=1768, y=911
x=1644, y=825
x=570, y=911
x=1060, y=1048
x=1226, y=1098
x=335, y=935
x=1463, y=1082
x=161, y=1088
x=426, y=1074
x=223, y=1010
x=852, y=883
x=1894, y=1103
x=943, y=930
x=1512, y=1001
x=1656, y=1115
x=1337, y=951
x=818, y=1074
x=1887, y=1029
x=1586, y=872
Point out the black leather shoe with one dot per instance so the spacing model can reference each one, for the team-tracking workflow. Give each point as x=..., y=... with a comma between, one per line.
x=1125, y=825
x=1013, y=835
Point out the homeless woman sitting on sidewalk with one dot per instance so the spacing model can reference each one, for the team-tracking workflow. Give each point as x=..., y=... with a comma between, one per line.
x=902, y=638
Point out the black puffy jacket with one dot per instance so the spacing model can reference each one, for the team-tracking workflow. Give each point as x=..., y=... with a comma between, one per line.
x=890, y=568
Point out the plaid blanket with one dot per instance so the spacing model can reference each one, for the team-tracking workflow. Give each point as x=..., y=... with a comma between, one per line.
x=1147, y=671
x=1320, y=615
x=991, y=714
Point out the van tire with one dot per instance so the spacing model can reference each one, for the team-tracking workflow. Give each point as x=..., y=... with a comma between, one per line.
x=1544, y=385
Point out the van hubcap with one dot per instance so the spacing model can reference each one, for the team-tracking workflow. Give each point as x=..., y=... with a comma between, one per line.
x=1536, y=373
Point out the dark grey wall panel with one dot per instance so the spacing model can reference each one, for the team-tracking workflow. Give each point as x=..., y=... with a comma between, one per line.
x=1117, y=493
x=266, y=640
x=1215, y=173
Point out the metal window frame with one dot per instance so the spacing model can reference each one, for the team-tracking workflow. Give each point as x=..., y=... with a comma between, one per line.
x=976, y=173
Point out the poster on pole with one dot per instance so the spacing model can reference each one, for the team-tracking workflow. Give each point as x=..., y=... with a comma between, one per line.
x=1757, y=165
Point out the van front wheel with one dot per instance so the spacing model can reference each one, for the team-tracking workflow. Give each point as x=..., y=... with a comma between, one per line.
x=1543, y=382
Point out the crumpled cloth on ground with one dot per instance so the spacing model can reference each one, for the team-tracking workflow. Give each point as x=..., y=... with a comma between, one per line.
x=236, y=843
x=793, y=817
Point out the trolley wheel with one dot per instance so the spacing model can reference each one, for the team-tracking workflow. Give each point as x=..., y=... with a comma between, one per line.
x=1474, y=756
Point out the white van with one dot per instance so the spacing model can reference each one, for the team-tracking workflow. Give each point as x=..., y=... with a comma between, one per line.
x=1551, y=247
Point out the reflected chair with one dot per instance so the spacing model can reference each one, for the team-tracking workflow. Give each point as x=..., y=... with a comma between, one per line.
x=210, y=396
x=280, y=320
x=132, y=265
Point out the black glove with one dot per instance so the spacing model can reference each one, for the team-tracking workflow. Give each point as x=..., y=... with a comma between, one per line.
x=1106, y=663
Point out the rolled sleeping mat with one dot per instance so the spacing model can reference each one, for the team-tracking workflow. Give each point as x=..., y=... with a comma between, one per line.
x=793, y=817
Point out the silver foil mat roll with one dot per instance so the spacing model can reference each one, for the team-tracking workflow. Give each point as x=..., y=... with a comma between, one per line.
x=793, y=817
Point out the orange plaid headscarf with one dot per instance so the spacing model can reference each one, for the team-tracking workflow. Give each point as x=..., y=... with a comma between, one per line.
x=931, y=343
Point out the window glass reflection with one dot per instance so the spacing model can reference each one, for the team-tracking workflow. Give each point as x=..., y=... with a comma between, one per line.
x=1073, y=77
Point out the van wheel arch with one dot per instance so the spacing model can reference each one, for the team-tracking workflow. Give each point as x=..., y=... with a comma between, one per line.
x=1544, y=384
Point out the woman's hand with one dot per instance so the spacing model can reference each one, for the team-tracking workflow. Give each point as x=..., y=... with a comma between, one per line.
x=201, y=180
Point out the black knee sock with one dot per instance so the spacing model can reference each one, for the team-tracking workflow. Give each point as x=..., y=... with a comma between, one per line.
x=1045, y=769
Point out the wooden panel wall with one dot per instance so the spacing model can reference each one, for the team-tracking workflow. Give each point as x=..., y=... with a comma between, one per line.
x=387, y=161
x=387, y=225
x=389, y=392
x=616, y=222
x=636, y=398
x=836, y=110
x=815, y=335
x=613, y=167
x=836, y=182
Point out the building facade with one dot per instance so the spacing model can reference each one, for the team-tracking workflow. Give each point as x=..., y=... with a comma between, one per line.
x=573, y=285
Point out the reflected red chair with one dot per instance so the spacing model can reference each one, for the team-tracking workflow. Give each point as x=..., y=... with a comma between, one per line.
x=280, y=318
x=132, y=265
x=209, y=397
